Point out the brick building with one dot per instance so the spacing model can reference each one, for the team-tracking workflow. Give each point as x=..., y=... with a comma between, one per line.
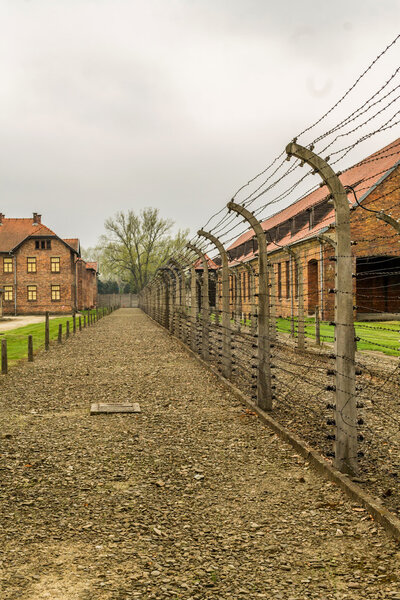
x=306, y=226
x=41, y=272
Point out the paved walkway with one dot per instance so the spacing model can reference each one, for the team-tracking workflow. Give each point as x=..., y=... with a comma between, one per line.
x=7, y=323
x=192, y=499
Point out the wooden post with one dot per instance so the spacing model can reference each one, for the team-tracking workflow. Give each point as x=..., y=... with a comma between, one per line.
x=317, y=327
x=84, y=320
x=80, y=323
x=59, y=333
x=205, y=304
x=74, y=323
x=4, y=361
x=226, y=318
x=47, y=332
x=264, y=390
x=67, y=330
x=30, y=348
x=346, y=410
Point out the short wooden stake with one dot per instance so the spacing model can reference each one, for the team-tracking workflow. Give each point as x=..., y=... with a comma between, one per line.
x=84, y=321
x=4, y=362
x=80, y=323
x=60, y=333
x=47, y=332
x=30, y=348
x=74, y=323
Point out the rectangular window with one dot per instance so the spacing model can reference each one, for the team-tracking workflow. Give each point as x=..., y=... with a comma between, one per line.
x=32, y=293
x=37, y=244
x=55, y=292
x=31, y=264
x=7, y=265
x=279, y=280
x=48, y=244
x=287, y=279
x=8, y=293
x=55, y=264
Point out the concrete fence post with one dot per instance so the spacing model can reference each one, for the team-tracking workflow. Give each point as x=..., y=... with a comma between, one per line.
x=226, y=360
x=252, y=298
x=193, y=307
x=300, y=297
x=264, y=389
x=317, y=327
x=205, y=304
x=346, y=409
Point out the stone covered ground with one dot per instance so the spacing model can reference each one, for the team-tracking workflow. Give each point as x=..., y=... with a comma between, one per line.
x=194, y=498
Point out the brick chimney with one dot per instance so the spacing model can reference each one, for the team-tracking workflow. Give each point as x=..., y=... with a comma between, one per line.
x=1, y=218
x=37, y=219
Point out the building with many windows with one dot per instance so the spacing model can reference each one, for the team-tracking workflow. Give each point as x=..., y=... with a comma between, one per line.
x=306, y=229
x=41, y=272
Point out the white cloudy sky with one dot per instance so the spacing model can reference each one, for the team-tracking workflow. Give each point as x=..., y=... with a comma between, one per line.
x=108, y=105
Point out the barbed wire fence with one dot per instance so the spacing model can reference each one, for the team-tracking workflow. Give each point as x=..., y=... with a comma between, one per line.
x=287, y=304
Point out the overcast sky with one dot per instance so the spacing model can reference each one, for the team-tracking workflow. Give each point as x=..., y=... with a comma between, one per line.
x=113, y=105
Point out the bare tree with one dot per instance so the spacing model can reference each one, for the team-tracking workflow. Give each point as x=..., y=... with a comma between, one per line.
x=136, y=245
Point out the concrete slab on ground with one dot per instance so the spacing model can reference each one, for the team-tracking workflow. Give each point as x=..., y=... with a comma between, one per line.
x=98, y=408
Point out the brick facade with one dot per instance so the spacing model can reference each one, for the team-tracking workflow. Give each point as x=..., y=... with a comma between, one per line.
x=376, y=252
x=40, y=272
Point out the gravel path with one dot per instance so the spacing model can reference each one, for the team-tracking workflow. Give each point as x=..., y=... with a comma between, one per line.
x=192, y=499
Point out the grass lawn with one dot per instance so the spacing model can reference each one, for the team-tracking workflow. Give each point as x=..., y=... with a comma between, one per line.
x=380, y=336
x=17, y=339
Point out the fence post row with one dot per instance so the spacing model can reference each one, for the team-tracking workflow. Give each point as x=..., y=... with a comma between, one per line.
x=264, y=389
x=226, y=319
x=205, y=303
x=345, y=410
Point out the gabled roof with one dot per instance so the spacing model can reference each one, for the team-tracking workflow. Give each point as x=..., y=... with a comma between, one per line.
x=362, y=177
x=92, y=265
x=211, y=264
x=14, y=231
x=73, y=242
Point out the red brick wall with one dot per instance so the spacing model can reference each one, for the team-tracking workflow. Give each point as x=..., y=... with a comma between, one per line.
x=43, y=279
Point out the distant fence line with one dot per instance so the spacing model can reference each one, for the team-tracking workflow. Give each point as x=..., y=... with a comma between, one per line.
x=121, y=300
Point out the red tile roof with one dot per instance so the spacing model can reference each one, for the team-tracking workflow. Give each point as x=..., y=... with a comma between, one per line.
x=73, y=242
x=15, y=231
x=365, y=174
x=92, y=265
x=211, y=264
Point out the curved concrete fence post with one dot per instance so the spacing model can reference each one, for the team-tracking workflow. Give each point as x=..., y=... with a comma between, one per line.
x=345, y=410
x=205, y=304
x=226, y=359
x=264, y=389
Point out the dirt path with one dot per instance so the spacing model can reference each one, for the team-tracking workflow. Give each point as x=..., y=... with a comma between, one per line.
x=192, y=499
